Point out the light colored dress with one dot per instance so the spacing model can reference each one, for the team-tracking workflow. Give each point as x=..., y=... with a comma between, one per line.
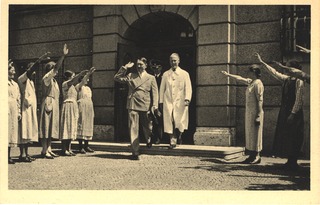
x=254, y=94
x=13, y=113
x=86, y=114
x=49, y=118
x=69, y=113
x=29, y=121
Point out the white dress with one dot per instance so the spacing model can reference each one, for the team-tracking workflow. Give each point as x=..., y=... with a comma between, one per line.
x=13, y=113
x=254, y=94
x=29, y=121
x=86, y=114
x=69, y=113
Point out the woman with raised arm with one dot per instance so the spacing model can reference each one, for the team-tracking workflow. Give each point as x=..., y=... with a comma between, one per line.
x=290, y=125
x=254, y=113
x=86, y=114
x=14, y=111
x=49, y=117
x=295, y=72
x=70, y=112
x=29, y=121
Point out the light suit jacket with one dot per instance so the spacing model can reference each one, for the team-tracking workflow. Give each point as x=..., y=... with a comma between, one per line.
x=174, y=90
x=141, y=89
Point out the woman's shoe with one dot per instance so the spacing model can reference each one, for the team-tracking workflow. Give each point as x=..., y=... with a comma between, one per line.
x=24, y=159
x=53, y=154
x=88, y=149
x=82, y=151
x=31, y=158
x=72, y=153
x=10, y=161
x=48, y=156
x=257, y=160
x=249, y=160
x=66, y=153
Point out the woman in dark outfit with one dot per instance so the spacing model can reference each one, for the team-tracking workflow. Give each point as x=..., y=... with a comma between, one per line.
x=290, y=125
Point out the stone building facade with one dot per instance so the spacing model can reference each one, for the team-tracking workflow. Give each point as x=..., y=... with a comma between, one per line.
x=209, y=38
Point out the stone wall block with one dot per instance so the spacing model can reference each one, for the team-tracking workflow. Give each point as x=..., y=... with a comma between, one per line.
x=213, y=54
x=104, y=61
x=268, y=51
x=49, y=18
x=101, y=10
x=103, y=79
x=215, y=116
x=213, y=14
x=215, y=95
x=216, y=33
x=211, y=75
x=257, y=13
x=259, y=32
x=105, y=25
x=105, y=43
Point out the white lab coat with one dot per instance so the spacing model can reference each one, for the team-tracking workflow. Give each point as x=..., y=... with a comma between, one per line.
x=175, y=88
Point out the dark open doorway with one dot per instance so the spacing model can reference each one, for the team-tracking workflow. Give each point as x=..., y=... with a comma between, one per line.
x=157, y=36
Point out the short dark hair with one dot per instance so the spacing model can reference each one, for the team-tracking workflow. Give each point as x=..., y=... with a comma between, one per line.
x=67, y=74
x=144, y=60
x=49, y=66
x=294, y=64
x=255, y=68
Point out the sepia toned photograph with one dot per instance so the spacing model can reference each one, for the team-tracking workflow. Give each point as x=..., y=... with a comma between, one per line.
x=159, y=97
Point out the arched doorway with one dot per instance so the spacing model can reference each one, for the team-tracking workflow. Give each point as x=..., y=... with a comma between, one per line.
x=156, y=36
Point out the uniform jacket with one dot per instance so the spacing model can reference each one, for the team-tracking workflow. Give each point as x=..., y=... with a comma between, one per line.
x=142, y=90
x=174, y=90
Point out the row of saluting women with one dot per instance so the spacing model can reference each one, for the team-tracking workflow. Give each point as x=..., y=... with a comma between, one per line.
x=75, y=121
x=73, y=125
x=290, y=125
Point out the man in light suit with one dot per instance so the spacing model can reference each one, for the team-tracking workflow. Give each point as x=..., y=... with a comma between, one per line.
x=142, y=87
x=175, y=97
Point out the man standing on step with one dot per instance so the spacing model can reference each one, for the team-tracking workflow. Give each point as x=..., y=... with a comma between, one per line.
x=175, y=97
x=143, y=90
x=157, y=119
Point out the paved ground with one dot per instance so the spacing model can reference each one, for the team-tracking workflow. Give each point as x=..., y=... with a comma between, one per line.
x=114, y=171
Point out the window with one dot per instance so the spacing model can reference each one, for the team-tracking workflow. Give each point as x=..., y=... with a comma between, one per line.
x=295, y=28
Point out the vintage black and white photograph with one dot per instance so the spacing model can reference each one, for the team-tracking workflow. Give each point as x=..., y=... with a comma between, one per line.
x=159, y=97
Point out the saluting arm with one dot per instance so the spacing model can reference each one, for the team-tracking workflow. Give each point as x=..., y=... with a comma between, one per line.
x=271, y=70
x=60, y=61
x=85, y=78
x=236, y=77
x=75, y=79
x=120, y=76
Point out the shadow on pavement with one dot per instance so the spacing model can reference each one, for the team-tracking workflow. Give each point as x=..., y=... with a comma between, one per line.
x=298, y=180
x=110, y=156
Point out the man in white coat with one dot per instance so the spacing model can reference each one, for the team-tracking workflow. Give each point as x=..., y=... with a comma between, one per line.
x=175, y=97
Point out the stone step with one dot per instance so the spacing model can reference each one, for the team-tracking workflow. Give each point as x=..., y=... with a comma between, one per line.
x=226, y=153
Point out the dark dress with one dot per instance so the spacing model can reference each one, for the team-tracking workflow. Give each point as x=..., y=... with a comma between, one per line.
x=288, y=137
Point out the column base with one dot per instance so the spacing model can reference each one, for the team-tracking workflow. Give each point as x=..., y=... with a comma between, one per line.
x=214, y=136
